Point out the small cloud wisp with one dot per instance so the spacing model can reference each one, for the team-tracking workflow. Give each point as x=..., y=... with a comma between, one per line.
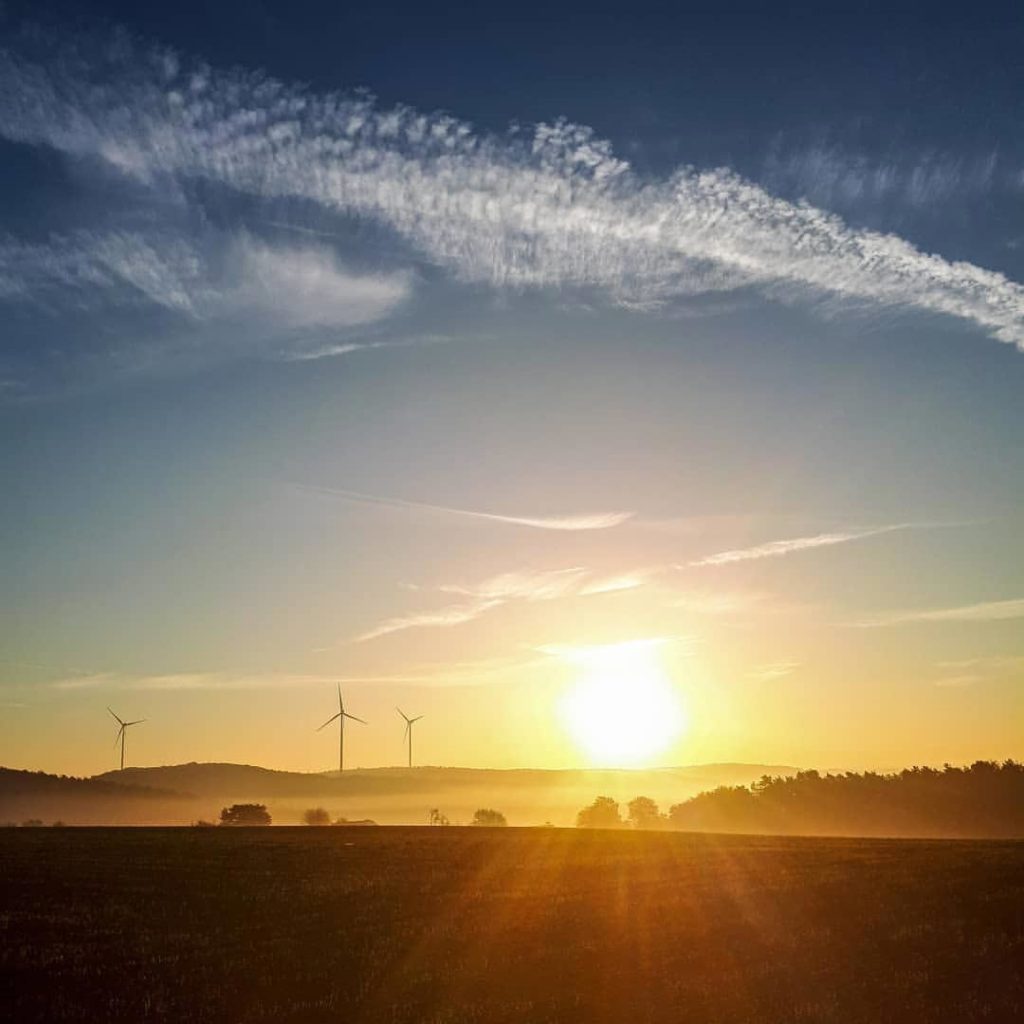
x=587, y=521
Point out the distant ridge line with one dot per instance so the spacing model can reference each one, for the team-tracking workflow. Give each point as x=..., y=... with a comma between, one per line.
x=403, y=769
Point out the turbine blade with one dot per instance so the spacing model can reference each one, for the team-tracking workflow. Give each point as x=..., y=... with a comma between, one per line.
x=329, y=720
x=115, y=716
x=117, y=738
x=408, y=726
x=138, y=721
x=401, y=712
x=341, y=705
x=353, y=717
x=416, y=719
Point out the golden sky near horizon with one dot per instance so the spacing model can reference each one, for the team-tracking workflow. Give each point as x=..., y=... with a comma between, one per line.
x=572, y=667
x=646, y=423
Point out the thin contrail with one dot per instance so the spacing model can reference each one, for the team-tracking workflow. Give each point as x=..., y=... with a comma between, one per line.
x=594, y=521
x=778, y=548
x=984, y=611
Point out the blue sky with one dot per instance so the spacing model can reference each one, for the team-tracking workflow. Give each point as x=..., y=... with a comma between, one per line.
x=408, y=348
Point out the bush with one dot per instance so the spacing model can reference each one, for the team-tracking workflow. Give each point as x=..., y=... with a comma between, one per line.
x=245, y=814
x=489, y=818
x=316, y=816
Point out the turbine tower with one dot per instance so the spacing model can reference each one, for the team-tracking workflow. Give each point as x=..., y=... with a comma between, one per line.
x=340, y=717
x=122, y=731
x=408, y=730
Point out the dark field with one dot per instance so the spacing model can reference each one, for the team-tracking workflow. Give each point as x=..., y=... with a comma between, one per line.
x=432, y=925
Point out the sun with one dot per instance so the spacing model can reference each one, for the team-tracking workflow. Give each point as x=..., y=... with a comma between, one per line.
x=623, y=708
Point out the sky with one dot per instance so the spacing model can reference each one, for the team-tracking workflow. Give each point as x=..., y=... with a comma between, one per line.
x=607, y=388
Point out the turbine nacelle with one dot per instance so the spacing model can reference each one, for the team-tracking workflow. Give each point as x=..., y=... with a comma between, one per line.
x=340, y=714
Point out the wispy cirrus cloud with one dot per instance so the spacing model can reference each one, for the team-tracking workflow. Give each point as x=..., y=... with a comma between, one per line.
x=344, y=348
x=450, y=615
x=620, y=581
x=208, y=278
x=778, y=548
x=458, y=673
x=838, y=176
x=683, y=644
x=551, y=208
x=584, y=521
x=88, y=267
x=725, y=602
x=84, y=681
x=983, y=611
x=187, y=681
x=971, y=671
x=774, y=670
x=496, y=591
x=545, y=585
x=992, y=662
x=550, y=584
x=306, y=286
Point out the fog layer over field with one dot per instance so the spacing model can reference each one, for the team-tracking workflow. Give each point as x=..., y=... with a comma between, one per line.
x=181, y=794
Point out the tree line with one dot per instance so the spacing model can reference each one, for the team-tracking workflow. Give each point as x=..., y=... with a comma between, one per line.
x=985, y=799
x=257, y=814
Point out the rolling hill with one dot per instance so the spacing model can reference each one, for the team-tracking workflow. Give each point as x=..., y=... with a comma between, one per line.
x=37, y=795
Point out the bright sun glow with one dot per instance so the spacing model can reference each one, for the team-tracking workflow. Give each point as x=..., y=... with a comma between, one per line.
x=623, y=708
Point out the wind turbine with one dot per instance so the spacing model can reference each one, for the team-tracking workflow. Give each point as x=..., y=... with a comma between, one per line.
x=121, y=732
x=408, y=729
x=340, y=716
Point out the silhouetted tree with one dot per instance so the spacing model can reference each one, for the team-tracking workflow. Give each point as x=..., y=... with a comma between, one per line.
x=644, y=813
x=245, y=814
x=316, y=816
x=437, y=818
x=602, y=813
x=490, y=818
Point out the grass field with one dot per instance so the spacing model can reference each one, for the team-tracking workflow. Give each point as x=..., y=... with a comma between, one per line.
x=446, y=925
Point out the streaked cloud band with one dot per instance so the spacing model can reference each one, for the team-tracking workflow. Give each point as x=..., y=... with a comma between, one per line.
x=550, y=208
x=488, y=594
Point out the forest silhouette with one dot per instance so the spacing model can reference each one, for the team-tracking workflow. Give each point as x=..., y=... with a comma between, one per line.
x=985, y=799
